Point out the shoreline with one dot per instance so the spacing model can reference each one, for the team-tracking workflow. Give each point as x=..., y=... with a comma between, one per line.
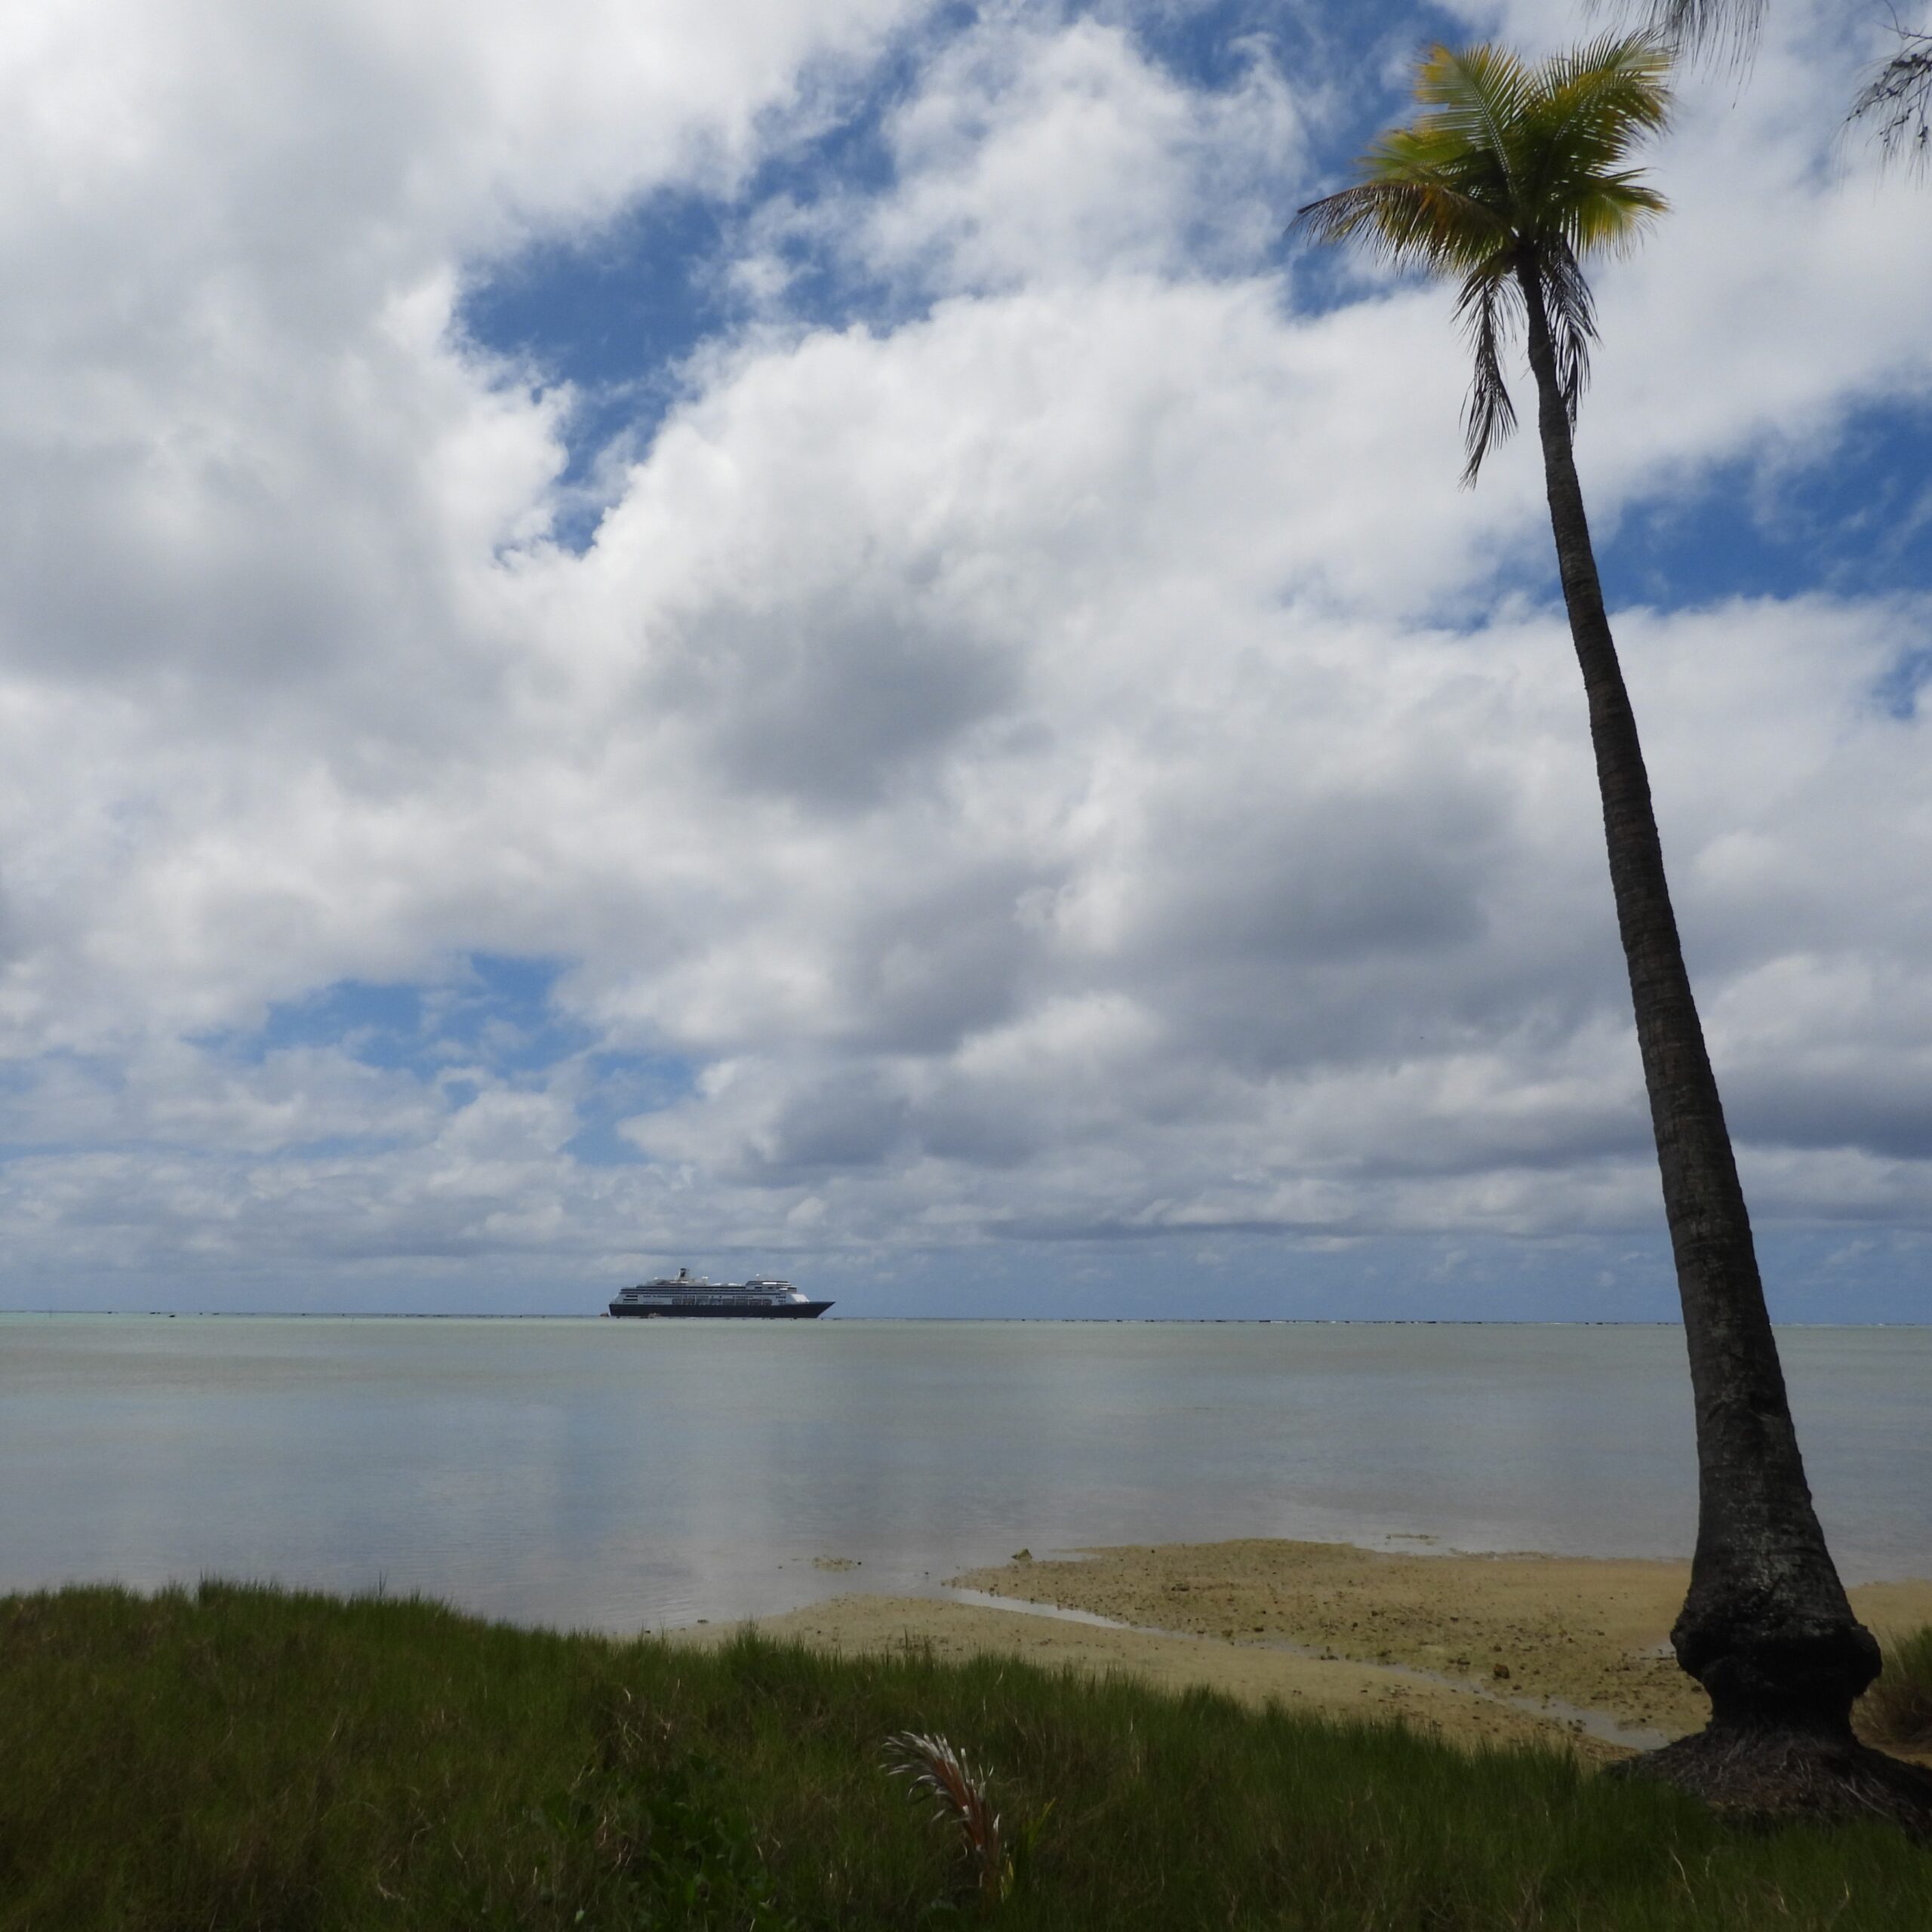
x=956, y=1321
x=1477, y=1649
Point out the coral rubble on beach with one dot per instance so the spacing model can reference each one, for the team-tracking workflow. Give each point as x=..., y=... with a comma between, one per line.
x=1477, y=1649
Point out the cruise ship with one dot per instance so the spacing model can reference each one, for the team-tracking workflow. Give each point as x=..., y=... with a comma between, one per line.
x=762, y=1297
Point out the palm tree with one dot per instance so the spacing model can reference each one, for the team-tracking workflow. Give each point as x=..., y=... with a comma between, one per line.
x=1511, y=177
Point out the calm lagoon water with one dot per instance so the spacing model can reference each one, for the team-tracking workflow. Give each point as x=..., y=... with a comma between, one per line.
x=629, y=1475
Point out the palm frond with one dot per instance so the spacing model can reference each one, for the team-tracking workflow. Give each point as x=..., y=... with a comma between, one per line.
x=1609, y=92
x=1608, y=215
x=1897, y=101
x=1479, y=95
x=1592, y=106
x=1420, y=220
x=1729, y=25
x=1487, y=305
x=1571, y=310
x=1610, y=60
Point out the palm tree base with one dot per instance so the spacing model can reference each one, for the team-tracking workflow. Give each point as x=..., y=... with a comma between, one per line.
x=1772, y=1773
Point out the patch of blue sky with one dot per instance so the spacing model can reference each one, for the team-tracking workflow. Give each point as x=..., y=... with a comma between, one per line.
x=501, y=1013
x=619, y=1087
x=614, y=314
x=380, y=1025
x=494, y=1013
x=1353, y=63
x=1847, y=516
x=618, y=313
x=1852, y=515
x=1898, y=691
x=1853, y=519
x=493, y=1018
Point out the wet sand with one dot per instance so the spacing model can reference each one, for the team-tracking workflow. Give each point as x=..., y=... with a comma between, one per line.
x=1476, y=1649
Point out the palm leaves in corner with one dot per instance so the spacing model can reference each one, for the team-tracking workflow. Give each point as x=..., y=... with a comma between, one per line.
x=1897, y=103
x=1511, y=170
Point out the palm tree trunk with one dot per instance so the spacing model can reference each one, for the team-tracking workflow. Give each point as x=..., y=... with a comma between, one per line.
x=1766, y=1628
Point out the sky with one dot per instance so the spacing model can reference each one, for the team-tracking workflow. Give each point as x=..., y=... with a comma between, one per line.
x=792, y=635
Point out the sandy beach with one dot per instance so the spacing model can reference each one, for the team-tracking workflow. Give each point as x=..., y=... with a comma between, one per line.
x=1475, y=1649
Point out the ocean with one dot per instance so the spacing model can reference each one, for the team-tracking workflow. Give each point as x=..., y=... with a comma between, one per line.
x=621, y=1476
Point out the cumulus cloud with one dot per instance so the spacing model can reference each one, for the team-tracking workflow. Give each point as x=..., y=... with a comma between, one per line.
x=1046, y=754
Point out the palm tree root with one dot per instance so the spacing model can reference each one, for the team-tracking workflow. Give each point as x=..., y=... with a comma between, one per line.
x=1776, y=1774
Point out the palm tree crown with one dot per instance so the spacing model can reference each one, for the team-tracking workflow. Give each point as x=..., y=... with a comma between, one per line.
x=1512, y=177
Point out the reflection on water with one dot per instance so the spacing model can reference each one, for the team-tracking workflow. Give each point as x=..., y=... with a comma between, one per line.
x=621, y=1475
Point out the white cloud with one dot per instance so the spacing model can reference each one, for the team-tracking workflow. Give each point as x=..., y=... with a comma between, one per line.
x=1036, y=154
x=1051, y=763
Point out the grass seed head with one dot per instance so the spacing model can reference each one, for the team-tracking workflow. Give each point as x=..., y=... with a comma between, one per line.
x=938, y=1770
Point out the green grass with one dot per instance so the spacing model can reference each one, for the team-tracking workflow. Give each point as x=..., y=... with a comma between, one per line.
x=1897, y=1709
x=240, y=1757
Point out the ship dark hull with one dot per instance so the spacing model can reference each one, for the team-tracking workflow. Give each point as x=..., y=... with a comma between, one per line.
x=797, y=1311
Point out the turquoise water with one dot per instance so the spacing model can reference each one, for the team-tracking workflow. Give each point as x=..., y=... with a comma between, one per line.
x=626, y=1475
